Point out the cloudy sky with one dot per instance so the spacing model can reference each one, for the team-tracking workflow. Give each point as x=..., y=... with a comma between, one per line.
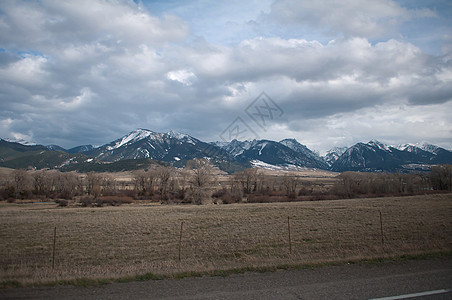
x=333, y=72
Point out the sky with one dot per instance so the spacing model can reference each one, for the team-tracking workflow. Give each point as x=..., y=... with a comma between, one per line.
x=327, y=73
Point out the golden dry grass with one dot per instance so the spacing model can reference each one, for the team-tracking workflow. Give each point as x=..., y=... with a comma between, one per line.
x=308, y=176
x=6, y=171
x=113, y=242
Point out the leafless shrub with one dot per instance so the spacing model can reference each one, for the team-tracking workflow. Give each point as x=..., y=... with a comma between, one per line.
x=7, y=192
x=62, y=202
x=357, y=184
x=86, y=202
x=259, y=198
x=113, y=200
x=441, y=177
x=226, y=196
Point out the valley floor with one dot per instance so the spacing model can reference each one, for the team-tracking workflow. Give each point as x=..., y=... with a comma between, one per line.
x=134, y=239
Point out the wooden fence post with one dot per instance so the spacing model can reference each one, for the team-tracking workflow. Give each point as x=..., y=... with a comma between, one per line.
x=180, y=238
x=54, y=244
x=381, y=230
x=290, y=241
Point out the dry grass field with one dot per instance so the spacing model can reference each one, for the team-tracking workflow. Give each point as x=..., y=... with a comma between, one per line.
x=309, y=176
x=116, y=242
x=6, y=171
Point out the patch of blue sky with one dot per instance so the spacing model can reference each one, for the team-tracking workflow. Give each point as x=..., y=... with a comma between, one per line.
x=27, y=53
x=227, y=23
x=231, y=22
x=431, y=31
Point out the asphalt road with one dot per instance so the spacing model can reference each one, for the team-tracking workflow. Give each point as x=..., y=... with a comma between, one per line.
x=417, y=279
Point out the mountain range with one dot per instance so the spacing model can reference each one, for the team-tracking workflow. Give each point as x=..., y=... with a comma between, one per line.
x=143, y=147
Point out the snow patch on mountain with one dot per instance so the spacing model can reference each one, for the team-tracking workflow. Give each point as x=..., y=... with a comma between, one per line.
x=55, y=148
x=286, y=167
x=260, y=164
x=262, y=147
x=235, y=147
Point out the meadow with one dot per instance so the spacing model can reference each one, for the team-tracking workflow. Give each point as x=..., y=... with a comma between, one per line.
x=142, y=238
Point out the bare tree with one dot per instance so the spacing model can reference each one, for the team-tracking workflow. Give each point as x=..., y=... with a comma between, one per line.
x=108, y=185
x=248, y=179
x=22, y=183
x=7, y=190
x=260, y=180
x=140, y=181
x=201, y=180
x=66, y=184
x=182, y=177
x=145, y=182
x=42, y=183
x=164, y=176
x=94, y=181
x=290, y=183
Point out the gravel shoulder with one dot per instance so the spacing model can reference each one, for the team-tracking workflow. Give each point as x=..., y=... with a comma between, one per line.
x=352, y=281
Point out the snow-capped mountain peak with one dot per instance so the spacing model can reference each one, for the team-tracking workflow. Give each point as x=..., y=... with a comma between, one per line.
x=182, y=137
x=428, y=147
x=177, y=135
x=300, y=148
x=376, y=156
x=378, y=144
x=285, y=153
x=235, y=147
x=292, y=144
x=132, y=137
x=405, y=147
x=20, y=141
x=337, y=150
x=422, y=146
x=178, y=148
x=333, y=154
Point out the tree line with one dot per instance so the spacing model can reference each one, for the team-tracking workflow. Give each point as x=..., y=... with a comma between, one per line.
x=199, y=182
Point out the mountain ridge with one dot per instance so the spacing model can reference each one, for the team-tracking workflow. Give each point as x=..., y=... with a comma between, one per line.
x=376, y=156
x=177, y=148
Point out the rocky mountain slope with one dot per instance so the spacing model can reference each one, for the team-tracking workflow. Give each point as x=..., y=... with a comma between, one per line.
x=376, y=156
x=141, y=146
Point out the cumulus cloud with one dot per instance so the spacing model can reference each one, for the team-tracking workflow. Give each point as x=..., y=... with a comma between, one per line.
x=183, y=76
x=369, y=19
x=88, y=72
x=50, y=25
